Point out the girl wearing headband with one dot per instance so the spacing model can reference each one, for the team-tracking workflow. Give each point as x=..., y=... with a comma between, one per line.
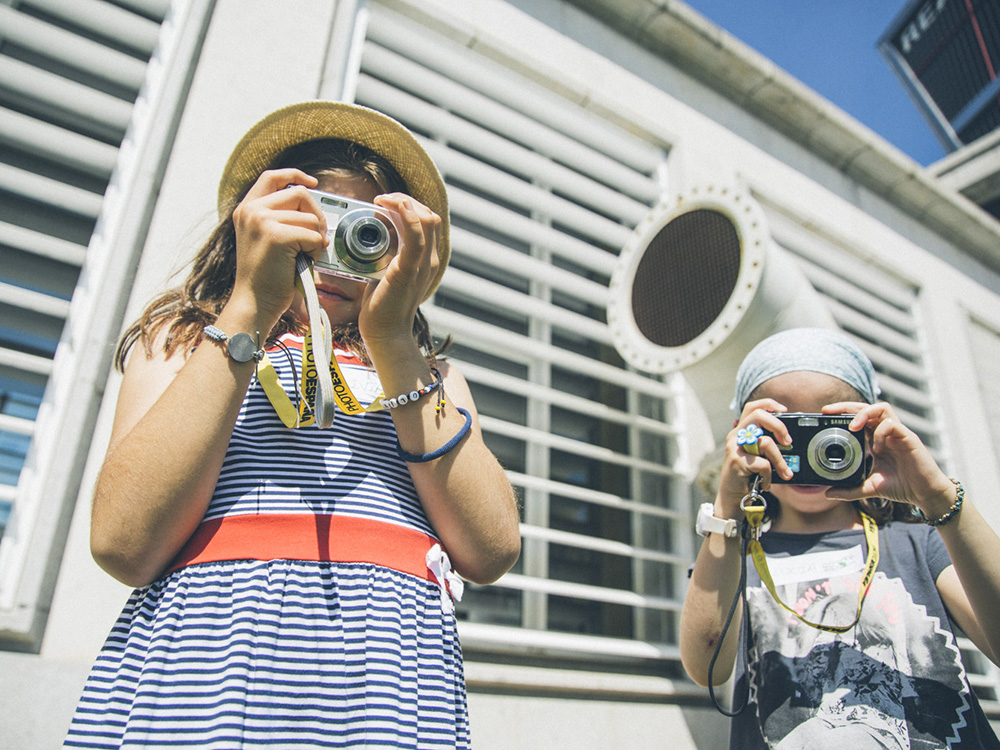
x=848, y=639
x=295, y=584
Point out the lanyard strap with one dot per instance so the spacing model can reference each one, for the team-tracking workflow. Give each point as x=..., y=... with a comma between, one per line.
x=755, y=517
x=322, y=387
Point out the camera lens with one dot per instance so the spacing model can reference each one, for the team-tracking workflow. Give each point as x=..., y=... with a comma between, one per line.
x=834, y=453
x=367, y=240
x=369, y=236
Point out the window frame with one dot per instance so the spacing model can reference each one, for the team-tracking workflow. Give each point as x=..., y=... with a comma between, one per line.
x=50, y=482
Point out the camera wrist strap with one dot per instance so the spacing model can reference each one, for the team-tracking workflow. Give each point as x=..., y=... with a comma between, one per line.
x=741, y=594
x=322, y=387
x=755, y=517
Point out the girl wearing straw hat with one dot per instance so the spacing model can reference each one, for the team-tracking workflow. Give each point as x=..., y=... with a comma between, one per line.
x=844, y=636
x=295, y=576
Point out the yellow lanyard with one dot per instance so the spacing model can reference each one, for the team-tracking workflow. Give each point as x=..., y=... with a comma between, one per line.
x=304, y=415
x=322, y=386
x=755, y=517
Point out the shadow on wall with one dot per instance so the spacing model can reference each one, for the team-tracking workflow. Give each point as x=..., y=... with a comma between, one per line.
x=27, y=682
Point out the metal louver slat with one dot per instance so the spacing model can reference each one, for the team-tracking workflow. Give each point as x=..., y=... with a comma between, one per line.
x=585, y=591
x=607, y=546
x=490, y=114
x=105, y=19
x=38, y=302
x=50, y=192
x=479, y=73
x=425, y=117
x=30, y=363
x=71, y=49
x=523, y=348
x=517, y=263
x=593, y=497
x=523, y=304
x=53, y=142
x=153, y=8
x=529, y=231
x=897, y=390
x=16, y=425
x=574, y=447
x=530, y=197
x=874, y=305
x=43, y=245
x=889, y=362
x=68, y=98
x=570, y=402
x=536, y=641
x=875, y=330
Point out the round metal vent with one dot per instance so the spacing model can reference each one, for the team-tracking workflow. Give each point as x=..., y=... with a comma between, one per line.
x=685, y=277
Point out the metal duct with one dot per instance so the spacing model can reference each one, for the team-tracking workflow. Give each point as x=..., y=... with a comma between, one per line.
x=698, y=285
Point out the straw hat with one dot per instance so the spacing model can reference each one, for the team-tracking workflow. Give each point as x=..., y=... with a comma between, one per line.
x=310, y=120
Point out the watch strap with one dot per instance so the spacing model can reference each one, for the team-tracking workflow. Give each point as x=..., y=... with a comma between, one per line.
x=708, y=523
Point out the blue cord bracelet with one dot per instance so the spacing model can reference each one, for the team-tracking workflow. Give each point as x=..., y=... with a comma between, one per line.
x=414, y=458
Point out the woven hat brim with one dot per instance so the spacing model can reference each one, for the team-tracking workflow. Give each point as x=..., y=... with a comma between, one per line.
x=311, y=120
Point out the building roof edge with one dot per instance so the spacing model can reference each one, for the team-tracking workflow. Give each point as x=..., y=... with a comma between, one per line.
x=675, y=32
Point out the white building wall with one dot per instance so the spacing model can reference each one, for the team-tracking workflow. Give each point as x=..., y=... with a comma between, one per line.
x=260, y=55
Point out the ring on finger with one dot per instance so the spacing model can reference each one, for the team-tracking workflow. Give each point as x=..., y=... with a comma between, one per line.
x=748, y=438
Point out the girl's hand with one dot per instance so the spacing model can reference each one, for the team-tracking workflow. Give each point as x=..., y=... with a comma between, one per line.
x=275, y=222
x=903, y=469
x=388, y=308
x=739, y=465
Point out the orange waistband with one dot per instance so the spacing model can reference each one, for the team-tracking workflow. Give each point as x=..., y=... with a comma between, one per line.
x=299, y=536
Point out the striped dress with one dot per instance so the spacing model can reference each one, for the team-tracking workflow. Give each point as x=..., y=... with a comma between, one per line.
x=288, y=653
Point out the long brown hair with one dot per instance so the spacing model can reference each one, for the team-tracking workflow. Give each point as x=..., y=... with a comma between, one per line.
x=184, y=311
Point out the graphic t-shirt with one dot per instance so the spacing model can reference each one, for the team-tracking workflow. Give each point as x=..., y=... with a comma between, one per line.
x=894, y=680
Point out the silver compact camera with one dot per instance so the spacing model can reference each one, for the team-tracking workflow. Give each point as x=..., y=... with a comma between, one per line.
x=824, y=451
x=363, y=237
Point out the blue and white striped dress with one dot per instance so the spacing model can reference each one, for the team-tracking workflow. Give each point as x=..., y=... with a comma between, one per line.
x=287, y=653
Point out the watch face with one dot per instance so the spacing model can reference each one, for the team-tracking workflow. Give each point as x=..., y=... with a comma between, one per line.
x=241, y=347
x=704, y=513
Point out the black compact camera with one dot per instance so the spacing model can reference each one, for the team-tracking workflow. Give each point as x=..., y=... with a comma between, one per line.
x=363, y=237
x=824, y=451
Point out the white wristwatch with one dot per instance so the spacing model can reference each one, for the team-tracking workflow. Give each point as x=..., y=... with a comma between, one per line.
x=707, y=523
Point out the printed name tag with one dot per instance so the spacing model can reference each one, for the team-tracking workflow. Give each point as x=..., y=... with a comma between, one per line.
x=363, y=382
x=816, y=566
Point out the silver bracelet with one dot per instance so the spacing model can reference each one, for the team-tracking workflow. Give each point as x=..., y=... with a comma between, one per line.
x=241, y=347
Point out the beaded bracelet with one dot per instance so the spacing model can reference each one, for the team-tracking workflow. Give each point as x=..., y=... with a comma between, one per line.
x=951, y=512
x=406, y=398
x=414, y=458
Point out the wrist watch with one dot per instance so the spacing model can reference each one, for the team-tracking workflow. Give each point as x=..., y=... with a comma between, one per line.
x=241, y=347
x=707, y=523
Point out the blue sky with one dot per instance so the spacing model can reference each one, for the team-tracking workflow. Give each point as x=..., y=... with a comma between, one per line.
x=831, y=47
